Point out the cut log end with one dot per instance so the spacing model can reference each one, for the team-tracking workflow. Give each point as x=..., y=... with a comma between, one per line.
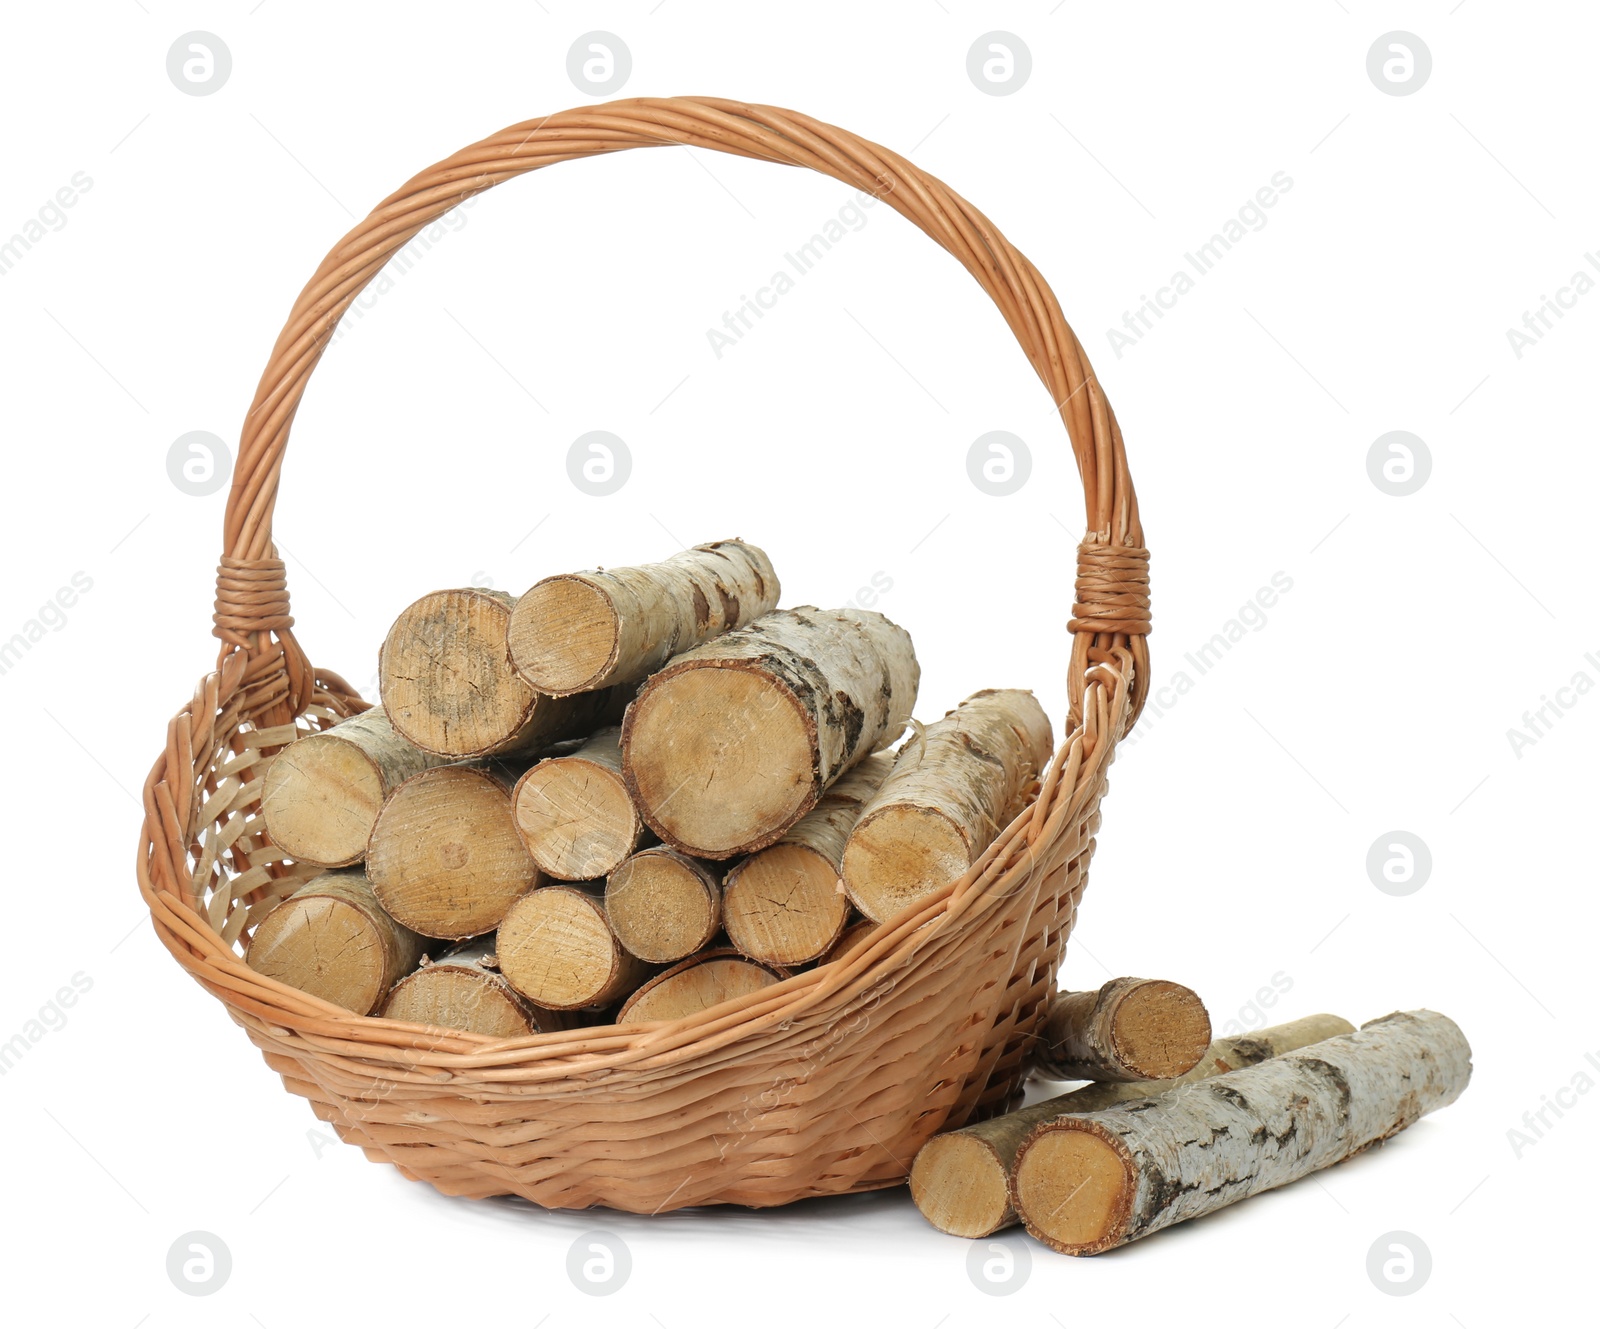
x=555, y=947
x=1160, y=1030
x=574, y=813
x=446, y=680
x=900, y=855
x=564, y=635
x=720, y=761
x=959, y=1183
x=320, y=798
x=662, y=905
x=784, y=905
x=695, y=986
x=1076, y=1184
x=448, y=996
x=445, y=858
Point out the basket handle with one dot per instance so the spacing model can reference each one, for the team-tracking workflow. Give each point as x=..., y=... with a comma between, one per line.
x=1112, y=605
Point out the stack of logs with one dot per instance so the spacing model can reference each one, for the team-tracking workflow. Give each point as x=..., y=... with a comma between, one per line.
x=626, y=796
x=1173, y=1126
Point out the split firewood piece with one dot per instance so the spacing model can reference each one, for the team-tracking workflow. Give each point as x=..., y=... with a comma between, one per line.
x=557, y=949
x=573, y=811
x=735, y=741
x=663, y=905
x=587, y=630
x=464, y=989
x=448, y=685
x=445, y=858
x=322, y=793
x=333, y=939
x=1084, y=1184
x=944, y=802
x=784, y=905
x=695, y=985
x=961, y=1180
x=1131, y=1029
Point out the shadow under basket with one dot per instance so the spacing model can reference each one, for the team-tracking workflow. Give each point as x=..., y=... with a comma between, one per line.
x=825, y=1083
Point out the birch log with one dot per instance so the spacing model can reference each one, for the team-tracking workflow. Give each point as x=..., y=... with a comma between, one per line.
x=696, y=985
x=322, y=793
x=785, y=905
x=573, y=811
x=556, y=948
x=663, y=905
x=449, y=688
x=961, y=1180
x=735, y=741
x=853, y=933
x=445, y=858
x=1131, y=1029
x=464, y=989
x=1084, y=1184
x=587, y=630
x=333, y=939
x=947, y=798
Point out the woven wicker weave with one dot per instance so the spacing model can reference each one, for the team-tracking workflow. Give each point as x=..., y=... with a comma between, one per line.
x=825, y=1083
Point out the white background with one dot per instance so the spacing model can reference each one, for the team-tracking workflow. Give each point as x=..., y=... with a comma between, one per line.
x=1377, y=696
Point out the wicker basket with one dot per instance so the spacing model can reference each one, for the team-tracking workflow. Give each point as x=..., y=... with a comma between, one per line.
x=825, y=1083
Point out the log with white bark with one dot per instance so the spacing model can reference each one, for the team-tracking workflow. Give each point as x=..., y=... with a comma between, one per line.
x=573, y=811
x=734, y=741
x=445, y=858
x=663, y=905
x=961, y=1180
x=953, y=788
x=322, y=793
x=556, y=947
x=449, y=688
x=333, y=939
x=464, y=989
x=1084, y=1184
x=696, y=985
x=784, y=905
x=586, y=630
x=1131, y=1029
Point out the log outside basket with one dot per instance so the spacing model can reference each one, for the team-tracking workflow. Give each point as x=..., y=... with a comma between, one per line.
x=927, y=1027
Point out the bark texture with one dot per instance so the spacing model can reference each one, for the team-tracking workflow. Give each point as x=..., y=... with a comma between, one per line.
x=696, y=985
x=952, y=789
x=785, y=905
x=1084, y=1184
x=449, y=688
x=574, y=813
x=322, y=793
x=556, y=948
x=586, y=630
x=663, y=905
x=333, y=939
x=464, y=989
x=1131, y=1029
x=961, y=1180
x=445, y=858
x=734, y=741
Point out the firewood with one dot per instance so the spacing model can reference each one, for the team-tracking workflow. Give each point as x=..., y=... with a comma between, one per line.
x=853, y=933
x=463, y=989
x=695, y=985
x=586, y=630
x=663, y=905
x=734, y=741
x=557, y=949
x=1131, y=1029
x=322, y=793
x=333, y=939
x=960, y=1180
x=785, y=905
x=945, y=801
x=573, y=811
x=445, y=858
x=1084, y=1184
x=448, y=685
